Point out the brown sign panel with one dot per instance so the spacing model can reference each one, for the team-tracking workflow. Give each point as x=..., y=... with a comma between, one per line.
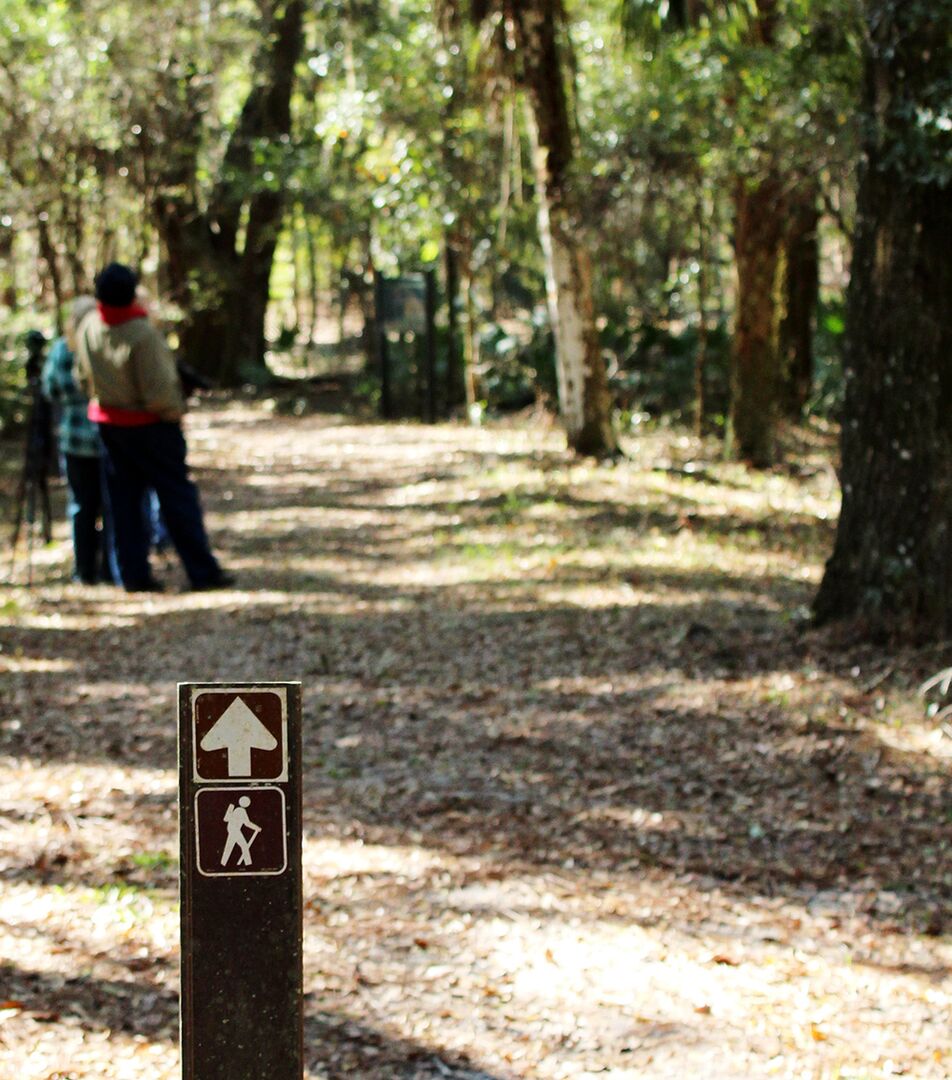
x=240, y=830
x=240, y=734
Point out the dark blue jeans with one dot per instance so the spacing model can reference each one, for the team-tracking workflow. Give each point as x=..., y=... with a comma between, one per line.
x=153, y=456
x=84, y=506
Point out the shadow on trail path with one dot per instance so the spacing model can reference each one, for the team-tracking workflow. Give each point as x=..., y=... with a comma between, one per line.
x=505, y=657
x=551, y=710
x=339, y=1046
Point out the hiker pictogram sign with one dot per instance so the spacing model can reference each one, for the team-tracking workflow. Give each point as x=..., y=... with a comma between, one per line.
x=241, y=831
x=240, y=734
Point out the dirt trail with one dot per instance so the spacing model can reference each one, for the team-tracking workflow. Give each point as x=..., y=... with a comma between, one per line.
x=582, y=797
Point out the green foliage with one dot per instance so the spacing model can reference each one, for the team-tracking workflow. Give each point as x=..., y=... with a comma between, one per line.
x=911, y=122
x=654, y=366
x=14, y=398
x=408, y=139
x=518, y=367
x=828, y=386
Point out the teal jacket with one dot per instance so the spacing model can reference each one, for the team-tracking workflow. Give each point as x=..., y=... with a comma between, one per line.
x=76, y=435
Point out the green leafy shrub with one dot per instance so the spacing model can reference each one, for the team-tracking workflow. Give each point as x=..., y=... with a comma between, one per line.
x=13, y=398
x=827, y=395
x=652, y=368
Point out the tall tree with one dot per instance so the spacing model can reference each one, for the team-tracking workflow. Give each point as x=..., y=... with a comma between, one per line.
x=220, y=252
x=801, y=274
x=536, y=34
x=758, y=239
x=892, y=560
x=765, y=65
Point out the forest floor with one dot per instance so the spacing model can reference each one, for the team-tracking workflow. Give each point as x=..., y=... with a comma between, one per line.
x=584, y=795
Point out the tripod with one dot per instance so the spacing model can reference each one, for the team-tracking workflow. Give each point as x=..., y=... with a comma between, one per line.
x=33, y=493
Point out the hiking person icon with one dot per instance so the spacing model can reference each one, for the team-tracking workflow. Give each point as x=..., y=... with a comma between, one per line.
x=237, y=820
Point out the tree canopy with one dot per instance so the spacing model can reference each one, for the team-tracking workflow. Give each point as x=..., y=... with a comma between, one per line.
x=636, y=208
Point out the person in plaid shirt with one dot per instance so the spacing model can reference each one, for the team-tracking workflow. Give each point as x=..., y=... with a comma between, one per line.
x=79, y=447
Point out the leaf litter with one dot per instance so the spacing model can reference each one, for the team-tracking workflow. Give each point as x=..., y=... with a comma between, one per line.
x=584, y=795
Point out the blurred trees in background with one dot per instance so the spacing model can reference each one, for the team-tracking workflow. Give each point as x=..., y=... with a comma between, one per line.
x=276, y=154
x=639, y=208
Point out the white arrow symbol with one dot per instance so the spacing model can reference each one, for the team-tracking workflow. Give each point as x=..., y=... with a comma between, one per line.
x=239, y=732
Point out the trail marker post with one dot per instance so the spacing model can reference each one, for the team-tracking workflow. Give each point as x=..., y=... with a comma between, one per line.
x=240, y=875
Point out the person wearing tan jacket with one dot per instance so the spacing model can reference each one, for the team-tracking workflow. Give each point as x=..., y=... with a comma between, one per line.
x=131, y=366
x=129, y=374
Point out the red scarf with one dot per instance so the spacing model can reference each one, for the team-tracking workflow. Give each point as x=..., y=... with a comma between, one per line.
x=116, y=316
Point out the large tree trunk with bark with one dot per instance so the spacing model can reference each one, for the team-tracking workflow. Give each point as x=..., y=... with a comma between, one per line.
x=758, y=232
x=544, y=63
x=891, y=567
x=220, y=258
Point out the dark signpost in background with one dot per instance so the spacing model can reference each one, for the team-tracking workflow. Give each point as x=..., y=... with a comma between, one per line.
x=240, y=812
x=406, y=318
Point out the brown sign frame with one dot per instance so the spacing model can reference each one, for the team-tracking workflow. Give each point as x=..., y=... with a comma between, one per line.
x=249, y=791
x=240, y=692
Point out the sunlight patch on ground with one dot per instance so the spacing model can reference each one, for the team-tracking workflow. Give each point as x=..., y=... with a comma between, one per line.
x=574, y=794
x=35, y=664
x=324, y=858
x=921, y=738
x=557, y=983
x=56, y=796
x=42, y=926
x=56, y=620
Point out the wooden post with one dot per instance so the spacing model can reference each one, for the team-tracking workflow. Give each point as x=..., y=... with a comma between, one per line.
x=430, y=345
x=240, y=875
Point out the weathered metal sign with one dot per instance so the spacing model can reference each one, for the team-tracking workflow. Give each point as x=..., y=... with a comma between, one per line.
x=240, y=813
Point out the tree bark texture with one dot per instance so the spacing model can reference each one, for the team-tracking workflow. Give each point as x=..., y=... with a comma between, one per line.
x=801, y=292
x=51, y=258
x=220, y=258
x=758, y=231
x=544, y=65
x=891, y=568
x=456, y=360
x=700, y=357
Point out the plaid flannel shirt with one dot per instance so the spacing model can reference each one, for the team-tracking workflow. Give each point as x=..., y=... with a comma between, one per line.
x=77, y=435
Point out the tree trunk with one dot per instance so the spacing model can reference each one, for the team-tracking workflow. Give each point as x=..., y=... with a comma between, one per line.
x=48, y=251
x=297, y=272
x=471, y=358
x=201, y=278
x=802, y=289
x=891, y=566
x=220, y=278
x=700, y=358
x=456, y=363
x=754, y=362
x=545, y=62
x=314, y=285
x=758, y=234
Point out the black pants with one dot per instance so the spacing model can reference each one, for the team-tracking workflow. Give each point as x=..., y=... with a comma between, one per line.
x=153, y=456
x=85, y=507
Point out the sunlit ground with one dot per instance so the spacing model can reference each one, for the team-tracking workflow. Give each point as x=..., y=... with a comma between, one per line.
x=583, y=797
